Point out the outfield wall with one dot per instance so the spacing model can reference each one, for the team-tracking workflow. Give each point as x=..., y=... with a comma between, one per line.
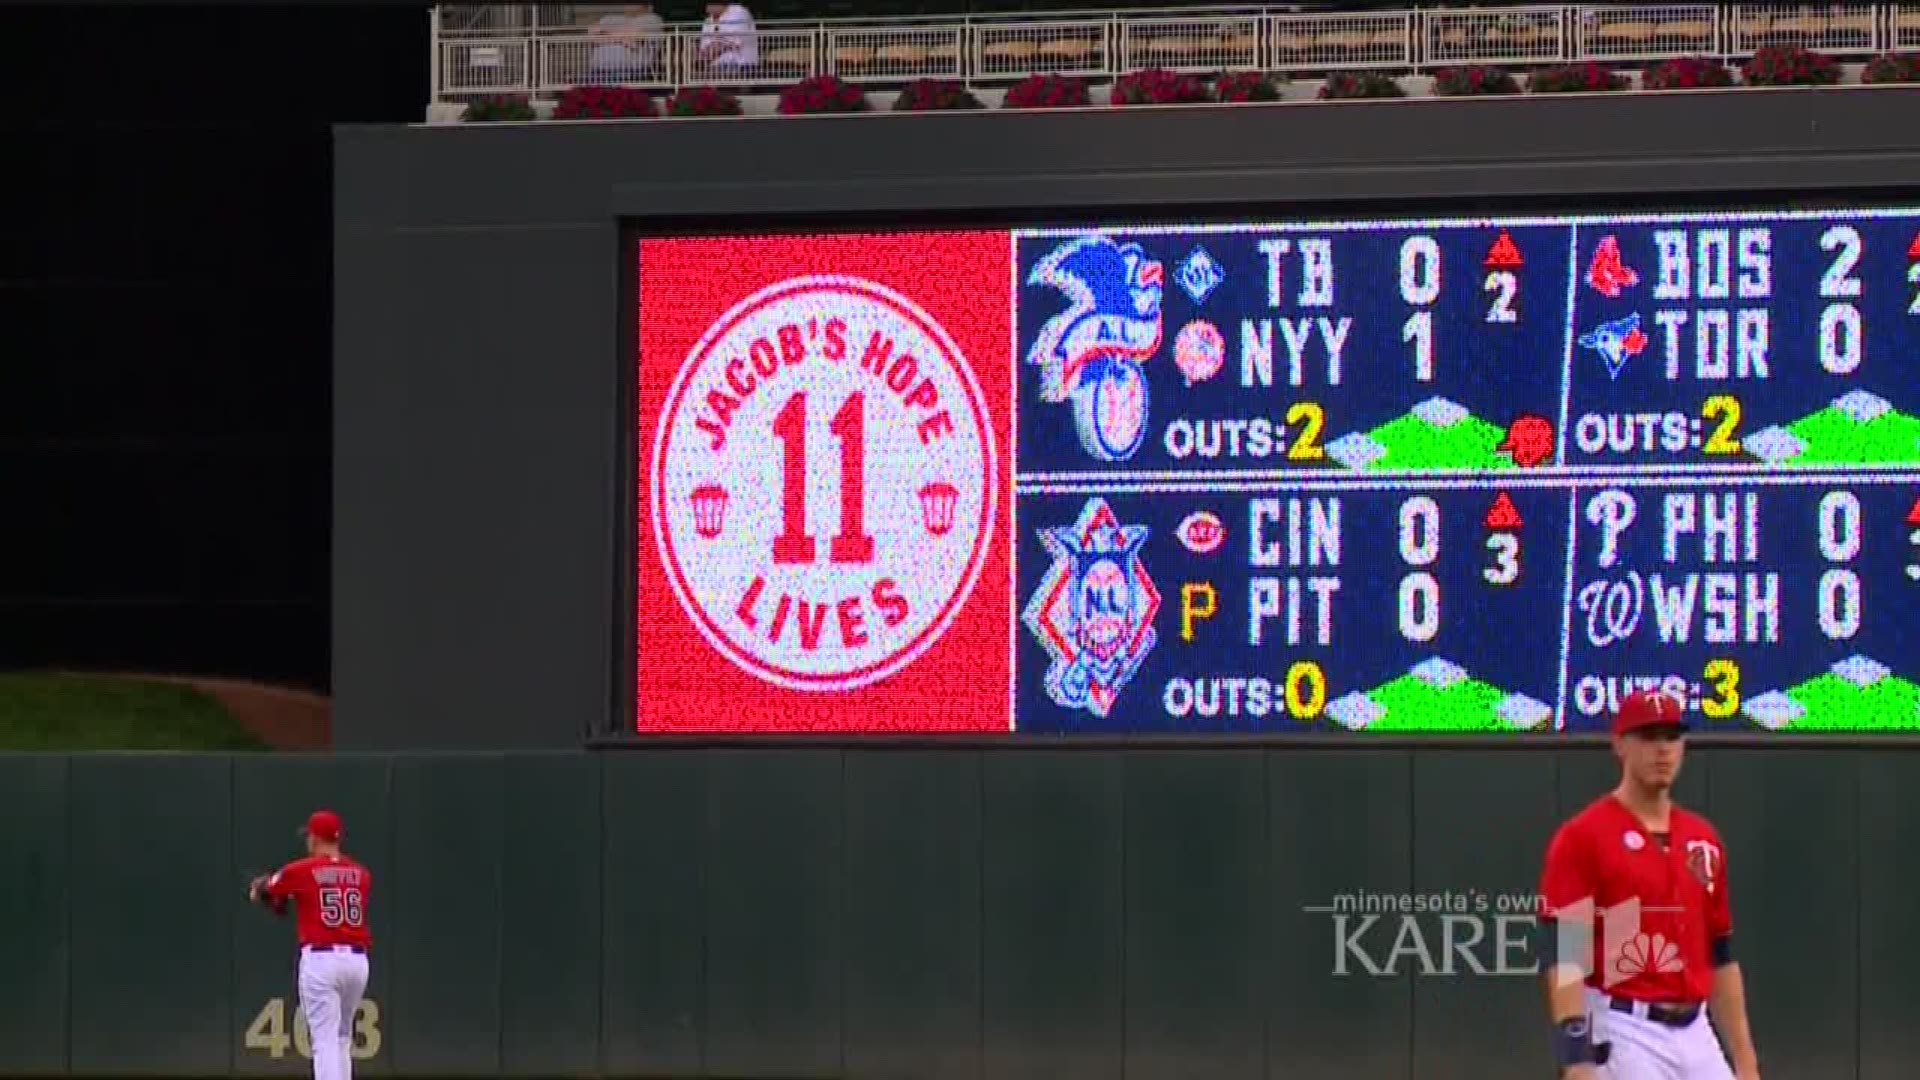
x=903, y=913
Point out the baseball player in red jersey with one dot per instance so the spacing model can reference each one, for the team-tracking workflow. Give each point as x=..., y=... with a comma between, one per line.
x=329, y=893
x=1651, y=878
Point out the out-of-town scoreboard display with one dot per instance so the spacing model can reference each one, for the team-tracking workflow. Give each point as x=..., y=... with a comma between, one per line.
x=1339, y=477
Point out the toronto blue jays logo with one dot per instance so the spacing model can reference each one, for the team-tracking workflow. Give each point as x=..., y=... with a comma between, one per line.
x=1094, y=609
x=1092, y=353
x=1616, y=342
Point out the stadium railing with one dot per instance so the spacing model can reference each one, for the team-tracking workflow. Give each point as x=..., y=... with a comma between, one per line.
x=542, y=50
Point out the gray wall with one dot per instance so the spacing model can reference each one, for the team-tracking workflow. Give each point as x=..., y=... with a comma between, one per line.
x=478, y=462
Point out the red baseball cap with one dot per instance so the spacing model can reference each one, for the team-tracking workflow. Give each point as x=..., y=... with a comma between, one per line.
x=324, y=826
x=1644, y=709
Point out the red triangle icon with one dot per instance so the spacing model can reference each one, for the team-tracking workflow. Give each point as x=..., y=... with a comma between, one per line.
x=1503, y=516
x=1505, y=255
x=1913, y=249
x=1913, y=515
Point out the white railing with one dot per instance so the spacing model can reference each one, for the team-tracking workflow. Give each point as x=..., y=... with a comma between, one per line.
x=1611, y=34
x=1227, y=43
x=1386, y=39
x=896, y=53
x=544, y=49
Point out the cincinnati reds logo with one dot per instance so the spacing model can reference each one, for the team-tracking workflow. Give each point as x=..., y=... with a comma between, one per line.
x=824, y=483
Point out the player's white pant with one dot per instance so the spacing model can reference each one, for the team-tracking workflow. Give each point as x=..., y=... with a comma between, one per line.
x=332, y=982
x=1645, y=1050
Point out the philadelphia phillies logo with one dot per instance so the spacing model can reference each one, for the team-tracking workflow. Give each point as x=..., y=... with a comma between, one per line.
x=1091, y=353
x=1094, y=609
x=824, y=483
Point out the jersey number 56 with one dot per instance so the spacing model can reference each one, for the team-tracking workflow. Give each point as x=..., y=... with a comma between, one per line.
x=342, y=907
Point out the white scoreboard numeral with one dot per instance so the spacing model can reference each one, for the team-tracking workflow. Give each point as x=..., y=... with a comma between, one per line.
x=1839, y=280
x=1840, y=338
x=1420, y=286
x=1418, y=329
x=1505, y=569
x=1839, y=604
x=1504, y=286
x=1913, y=278
x=1419, y=531
x=1419, y=546
x=1839, y=526
x=1419, y=606
x=1420, y=270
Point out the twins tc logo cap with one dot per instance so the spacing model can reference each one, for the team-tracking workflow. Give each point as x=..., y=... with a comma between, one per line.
x=1648, y=709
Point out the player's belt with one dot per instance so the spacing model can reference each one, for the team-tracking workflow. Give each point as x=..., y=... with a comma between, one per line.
x=1670, y=1015
x=334, y=948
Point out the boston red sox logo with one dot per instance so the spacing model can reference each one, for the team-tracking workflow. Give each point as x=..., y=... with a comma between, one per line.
x=824, y=483
x=1703, y=861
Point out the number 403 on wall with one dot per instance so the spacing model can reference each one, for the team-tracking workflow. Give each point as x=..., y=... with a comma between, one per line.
x=269, y=1032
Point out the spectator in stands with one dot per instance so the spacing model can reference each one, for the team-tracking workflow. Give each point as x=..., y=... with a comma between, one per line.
x=727, y=38
x=628, y=46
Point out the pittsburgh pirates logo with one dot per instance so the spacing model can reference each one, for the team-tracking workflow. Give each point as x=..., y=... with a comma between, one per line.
x=824, y=483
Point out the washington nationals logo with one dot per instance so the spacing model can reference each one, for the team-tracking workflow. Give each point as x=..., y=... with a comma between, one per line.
x=1703, y=860
x=1092, y=353
x=1094, y=609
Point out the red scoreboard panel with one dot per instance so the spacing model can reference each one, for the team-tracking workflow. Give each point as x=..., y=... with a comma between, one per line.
x=825, y=484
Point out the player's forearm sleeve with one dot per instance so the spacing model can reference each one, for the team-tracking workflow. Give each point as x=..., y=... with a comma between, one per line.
x=1723, y=950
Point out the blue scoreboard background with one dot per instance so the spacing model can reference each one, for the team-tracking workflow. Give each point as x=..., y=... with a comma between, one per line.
x=1468, y=475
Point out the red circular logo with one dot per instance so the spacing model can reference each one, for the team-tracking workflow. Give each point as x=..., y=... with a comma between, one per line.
x=824, y=483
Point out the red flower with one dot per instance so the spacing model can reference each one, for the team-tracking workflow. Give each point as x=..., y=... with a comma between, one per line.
x=500, y=107
x=1362, y=84
x=1245, y=86
x=1790, y=65
x=703, y=101
x=1158, y=87
x=928, y=94
x=822, y=94
x=604, y=102
x=1687, y=73
x=1892, y=68
x=1046, y=91
x=1588, y=76
x=1473, y=79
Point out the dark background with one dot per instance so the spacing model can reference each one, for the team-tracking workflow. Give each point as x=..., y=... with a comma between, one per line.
x=482, y=460
x=166, y=301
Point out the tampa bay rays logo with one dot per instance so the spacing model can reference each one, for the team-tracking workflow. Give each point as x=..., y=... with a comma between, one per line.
x=1092, y=352
x=1094, y=609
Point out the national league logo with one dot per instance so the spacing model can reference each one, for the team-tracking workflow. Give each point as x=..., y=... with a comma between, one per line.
x=1094, y=609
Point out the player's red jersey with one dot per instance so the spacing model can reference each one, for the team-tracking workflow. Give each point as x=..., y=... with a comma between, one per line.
x=329, y=894
x=1604, y=857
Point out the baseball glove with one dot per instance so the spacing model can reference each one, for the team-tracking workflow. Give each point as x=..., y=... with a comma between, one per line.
x=257, y=892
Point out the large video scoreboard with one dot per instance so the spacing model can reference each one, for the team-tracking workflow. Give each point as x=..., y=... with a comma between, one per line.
x=1337, y=477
